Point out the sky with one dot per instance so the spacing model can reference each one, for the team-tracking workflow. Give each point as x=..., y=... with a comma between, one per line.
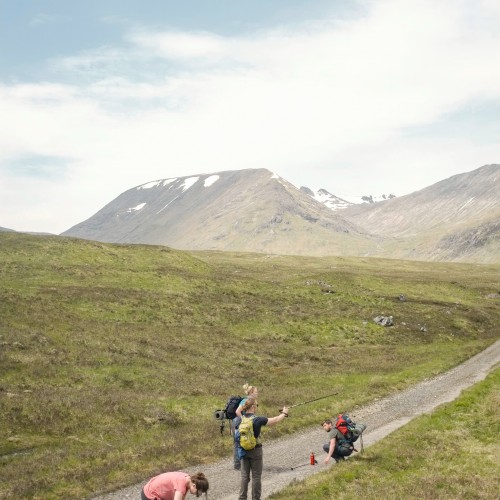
x=358, y=97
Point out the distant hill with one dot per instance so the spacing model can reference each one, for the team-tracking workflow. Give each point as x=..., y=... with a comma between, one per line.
x=34, y=233
x=255, y=210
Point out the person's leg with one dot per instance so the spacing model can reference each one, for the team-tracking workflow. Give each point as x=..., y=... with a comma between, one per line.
x=257, y=466
x=245, y=477
x=236, y=460
x=340, y=453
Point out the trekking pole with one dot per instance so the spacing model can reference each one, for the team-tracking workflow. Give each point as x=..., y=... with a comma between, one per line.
x=311, y=401
x=297, y=466
x=303, y=465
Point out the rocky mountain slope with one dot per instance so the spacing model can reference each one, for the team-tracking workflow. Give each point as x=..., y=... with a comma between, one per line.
x=457, y=219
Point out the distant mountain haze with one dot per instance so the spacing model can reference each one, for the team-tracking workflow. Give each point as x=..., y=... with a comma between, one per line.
x=255, y=210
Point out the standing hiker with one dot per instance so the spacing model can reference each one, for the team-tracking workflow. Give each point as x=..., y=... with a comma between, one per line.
x=250, y=391
x=249, y=427
x=174, y=486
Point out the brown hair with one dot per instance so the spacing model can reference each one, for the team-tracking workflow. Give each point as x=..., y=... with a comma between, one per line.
x=201, y=483
x=327, y=421
x=248, y=404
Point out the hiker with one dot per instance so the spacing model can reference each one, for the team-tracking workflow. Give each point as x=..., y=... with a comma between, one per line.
x=250, y=391
x=252, y=462
x=341, y=436
x=174, y=486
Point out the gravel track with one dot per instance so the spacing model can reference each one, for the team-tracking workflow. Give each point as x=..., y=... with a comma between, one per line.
x=282, y=454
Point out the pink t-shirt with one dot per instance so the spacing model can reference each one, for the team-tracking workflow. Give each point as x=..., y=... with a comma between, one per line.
x=164, y=486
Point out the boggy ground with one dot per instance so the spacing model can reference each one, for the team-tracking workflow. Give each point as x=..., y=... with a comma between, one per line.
x=382, y=417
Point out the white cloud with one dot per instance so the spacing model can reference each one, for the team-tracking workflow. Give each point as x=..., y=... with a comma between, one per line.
x=324, y=103
x=182, y=46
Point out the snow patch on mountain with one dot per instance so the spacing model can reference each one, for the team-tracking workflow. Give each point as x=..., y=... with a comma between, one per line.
x=152, y=184
x=210, y=180
x=340, y=202
x=149, y=185
x=187, y=182
x=190, y=181
x=164, y=207
x=330, y=200
x=137, y=207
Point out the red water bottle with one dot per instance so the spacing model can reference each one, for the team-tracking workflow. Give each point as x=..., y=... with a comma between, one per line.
x=312, y=460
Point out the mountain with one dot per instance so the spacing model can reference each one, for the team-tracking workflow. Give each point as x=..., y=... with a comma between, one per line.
x=455, y=219
x=241, y=210
x=254, y=210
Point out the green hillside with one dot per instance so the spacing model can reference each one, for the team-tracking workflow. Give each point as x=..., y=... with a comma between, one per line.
x=113, y=358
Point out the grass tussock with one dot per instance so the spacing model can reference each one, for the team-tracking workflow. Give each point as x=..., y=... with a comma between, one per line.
x=451, y=453
x=109, y=352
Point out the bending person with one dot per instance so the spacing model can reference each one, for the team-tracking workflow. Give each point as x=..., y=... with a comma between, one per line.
x=174, y=486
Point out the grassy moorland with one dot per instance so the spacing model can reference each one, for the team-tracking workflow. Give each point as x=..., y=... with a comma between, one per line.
x=452, y=453
x=113, y=358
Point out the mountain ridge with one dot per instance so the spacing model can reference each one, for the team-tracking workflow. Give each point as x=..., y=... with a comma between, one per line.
x=258, y=211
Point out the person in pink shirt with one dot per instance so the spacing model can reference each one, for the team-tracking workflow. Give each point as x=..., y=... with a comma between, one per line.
x=174, y=486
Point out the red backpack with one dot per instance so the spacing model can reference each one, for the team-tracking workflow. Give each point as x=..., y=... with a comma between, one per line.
x=345, y=425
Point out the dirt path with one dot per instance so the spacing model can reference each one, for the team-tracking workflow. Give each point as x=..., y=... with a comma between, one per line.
x=283, y=454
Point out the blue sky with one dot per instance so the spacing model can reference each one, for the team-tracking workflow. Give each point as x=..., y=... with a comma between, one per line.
x=357, y=97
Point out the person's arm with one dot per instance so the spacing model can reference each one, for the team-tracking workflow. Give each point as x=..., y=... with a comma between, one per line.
x=179, y=496
x=331, y=450
x=279, y=418
x=239, y=410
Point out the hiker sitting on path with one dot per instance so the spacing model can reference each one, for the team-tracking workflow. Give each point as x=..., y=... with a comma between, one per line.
x=334, y=436
x=174, y=486
x=252, y=463
x=250, y=391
